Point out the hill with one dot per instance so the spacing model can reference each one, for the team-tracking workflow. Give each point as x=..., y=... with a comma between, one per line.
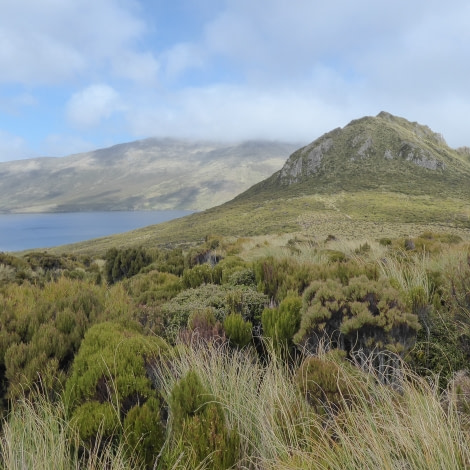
x=383, y=153
x=376, y=177
x=150, y=174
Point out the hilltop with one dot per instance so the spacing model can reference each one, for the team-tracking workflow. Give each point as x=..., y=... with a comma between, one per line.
x=383, y=153
x=150, y=174
x=377, y=176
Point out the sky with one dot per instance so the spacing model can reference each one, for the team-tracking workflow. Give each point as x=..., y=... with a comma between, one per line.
x=85, y=74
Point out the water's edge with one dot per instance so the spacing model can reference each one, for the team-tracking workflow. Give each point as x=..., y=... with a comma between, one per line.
x=20, y=232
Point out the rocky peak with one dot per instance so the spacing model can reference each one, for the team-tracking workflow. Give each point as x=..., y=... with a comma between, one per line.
x=382, y=141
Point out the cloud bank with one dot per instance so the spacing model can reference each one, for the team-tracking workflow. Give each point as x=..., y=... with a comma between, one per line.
x=109, y=71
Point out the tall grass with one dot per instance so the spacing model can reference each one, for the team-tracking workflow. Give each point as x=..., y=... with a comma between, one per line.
x=36, y=435
x=390, y=430
x=259, y=400
x=382, y=427
x=374, y=427
x=409, y=273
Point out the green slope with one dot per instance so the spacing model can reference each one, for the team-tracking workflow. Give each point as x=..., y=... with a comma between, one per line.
x=376, y=172
x=383, y=153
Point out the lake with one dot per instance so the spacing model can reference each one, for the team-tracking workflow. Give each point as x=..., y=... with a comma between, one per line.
x=27, y=231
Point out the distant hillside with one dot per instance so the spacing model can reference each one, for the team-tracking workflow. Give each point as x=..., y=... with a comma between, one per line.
x=147, y=174
x=376, y=177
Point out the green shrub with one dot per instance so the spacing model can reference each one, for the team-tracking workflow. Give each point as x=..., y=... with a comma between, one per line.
x=244, y=277
x=169, y=261
x=47, y=324
x=198, y=275
x=277, y=277
x=46, y=261
x=364, y=316
x=238, y=330
x=246, y=301
x=221, y=300
x=153, y=287
x=199, y=425
x=96, y=420
x=144, y=431
x=111, y=368
x=282, y=323
x=121, y=264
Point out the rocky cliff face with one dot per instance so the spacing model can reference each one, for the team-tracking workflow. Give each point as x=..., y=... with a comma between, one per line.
x=383, y=153
x=383, y=138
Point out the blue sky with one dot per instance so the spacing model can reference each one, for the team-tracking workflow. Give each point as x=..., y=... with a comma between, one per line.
x=83, y=74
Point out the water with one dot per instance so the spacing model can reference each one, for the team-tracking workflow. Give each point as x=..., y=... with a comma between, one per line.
x=27, y=231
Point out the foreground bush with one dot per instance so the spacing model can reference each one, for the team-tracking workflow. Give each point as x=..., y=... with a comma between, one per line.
x=364, y=316
x=213, y=391
x=110, y=390
x=280, y=324
x=198, y=425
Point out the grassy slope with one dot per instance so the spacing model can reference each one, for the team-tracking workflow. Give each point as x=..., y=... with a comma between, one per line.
x=152, y=174
x=356, y=191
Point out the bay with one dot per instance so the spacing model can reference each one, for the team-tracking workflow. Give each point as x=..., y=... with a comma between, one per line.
x=30, y=231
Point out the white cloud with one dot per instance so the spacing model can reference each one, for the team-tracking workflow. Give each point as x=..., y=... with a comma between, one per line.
x=303, y=66
x=58, y=145
x=233, y=112
x=90, y=106
x=51, y=41
x=181, y=57
x=264, y=68
x=13, y=147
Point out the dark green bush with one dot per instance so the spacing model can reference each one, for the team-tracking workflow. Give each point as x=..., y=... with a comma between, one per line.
x=169, y=261
x=199, y=425
x=46, y=261
x=111, y=369
x=365, y=316
x=198, y=275
x=144, y=431
x=277, y=277
x=96, y=421
x=121, y=264
x=238, y=330
x=282, y=323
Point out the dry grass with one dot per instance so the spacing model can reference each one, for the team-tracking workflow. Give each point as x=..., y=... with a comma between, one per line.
x=383, y=427
x=36, y=435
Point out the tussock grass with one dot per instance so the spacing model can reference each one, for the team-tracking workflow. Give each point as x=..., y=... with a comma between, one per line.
x=410, y=272
x=410, y=429
x=36, y=435
x=259, y=400
x=383, y=427
x=409, y=426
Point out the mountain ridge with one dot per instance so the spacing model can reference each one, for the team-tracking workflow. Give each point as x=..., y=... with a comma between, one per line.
x=377, y=153
x=149, y=174
x=375, y=177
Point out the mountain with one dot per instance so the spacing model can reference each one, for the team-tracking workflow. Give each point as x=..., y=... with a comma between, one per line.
x=147, y=174
x=383, y=153
x=376, y=177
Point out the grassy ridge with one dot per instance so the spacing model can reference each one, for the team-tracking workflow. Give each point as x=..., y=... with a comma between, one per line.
x=376, y=170
x=349, y=215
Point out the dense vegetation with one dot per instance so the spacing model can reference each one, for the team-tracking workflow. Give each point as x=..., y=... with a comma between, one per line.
x=222, y=355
